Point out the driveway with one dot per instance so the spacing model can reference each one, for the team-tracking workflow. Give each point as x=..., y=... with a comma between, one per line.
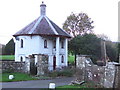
x=38, y=83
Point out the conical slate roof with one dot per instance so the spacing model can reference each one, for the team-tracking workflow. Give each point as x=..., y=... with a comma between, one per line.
x=42, y=26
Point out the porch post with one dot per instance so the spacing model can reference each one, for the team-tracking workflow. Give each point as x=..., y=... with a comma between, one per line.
x=66, y=52
x=57, y=51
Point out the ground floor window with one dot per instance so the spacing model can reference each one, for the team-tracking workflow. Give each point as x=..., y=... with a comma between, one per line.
x=62, y=59
x=21, y=59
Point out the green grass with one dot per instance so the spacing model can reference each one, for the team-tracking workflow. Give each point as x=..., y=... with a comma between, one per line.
x=71, y=58
x=12, y=57
x=7, y=57
x=88, y=86
x=18, y=77
x=70, y=86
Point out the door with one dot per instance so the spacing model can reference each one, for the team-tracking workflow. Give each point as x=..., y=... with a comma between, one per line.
x=54, y=62
x=33, y=68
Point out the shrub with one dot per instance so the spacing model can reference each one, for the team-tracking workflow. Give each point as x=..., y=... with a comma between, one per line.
x=64, y=72
x=67, y=73
x=53, y=74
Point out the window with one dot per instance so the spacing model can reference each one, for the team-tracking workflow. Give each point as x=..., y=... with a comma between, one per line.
x=62, y=59
x=45, y=43
x=21, y=43
x=62, y=44
x=21, y=59
x=54, y=44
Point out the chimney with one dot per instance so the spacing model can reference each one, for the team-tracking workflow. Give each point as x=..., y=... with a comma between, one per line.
x=43, y=9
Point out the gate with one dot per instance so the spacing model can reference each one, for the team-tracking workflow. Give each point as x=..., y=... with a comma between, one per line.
x=33, y=68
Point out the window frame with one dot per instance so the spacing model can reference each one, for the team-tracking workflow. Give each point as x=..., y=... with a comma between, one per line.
x=21, y=58
x=62, y=59
x=45, y=43
x=21, y=43
x=54, y=44
x=62, y=44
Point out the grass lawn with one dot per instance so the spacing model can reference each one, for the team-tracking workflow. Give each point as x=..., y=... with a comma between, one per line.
x=71, y=58
x=78, y=87
x=12, y=57
x=86, y=86
x=70, y=86
x=18, y=77
x=7, y=57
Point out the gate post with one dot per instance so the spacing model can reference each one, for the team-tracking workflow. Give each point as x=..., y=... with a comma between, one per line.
x=117, y=77
x=39, y=66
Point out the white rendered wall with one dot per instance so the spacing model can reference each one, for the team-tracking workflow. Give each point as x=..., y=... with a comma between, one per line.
x=35, y=45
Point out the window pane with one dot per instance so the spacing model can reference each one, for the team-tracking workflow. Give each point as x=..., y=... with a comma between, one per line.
x=21, y=43
x=62, y=59
x=45, y=44
x=62, y=44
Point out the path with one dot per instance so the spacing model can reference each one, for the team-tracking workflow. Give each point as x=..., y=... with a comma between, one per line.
x=38, y=83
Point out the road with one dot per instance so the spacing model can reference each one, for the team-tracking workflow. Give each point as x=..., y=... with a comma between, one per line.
x=38, y=83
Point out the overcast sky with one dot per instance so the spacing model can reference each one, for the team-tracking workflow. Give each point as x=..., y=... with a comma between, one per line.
x=16, y=14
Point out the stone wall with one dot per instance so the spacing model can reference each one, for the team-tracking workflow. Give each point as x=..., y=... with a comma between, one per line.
x=103, y=75
x=12, y=66
x=117, y=76
x=42, y=64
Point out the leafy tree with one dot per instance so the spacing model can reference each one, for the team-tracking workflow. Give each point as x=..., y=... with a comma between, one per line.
x=87, y=44
x=78, y=24
x=111, y=47
x=10, y=47
x=2, y=47
x=119, y=48
x=111, y=50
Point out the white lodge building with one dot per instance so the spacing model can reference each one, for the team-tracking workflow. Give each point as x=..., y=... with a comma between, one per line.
x=42, y=36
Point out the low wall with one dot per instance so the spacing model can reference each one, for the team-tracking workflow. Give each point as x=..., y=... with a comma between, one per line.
x=12, y=66
x=106, y=76
x=117, y=76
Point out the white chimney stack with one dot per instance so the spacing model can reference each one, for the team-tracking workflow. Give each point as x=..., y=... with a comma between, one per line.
x=43, y=9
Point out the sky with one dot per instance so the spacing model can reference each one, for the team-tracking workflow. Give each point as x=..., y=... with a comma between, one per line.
x=16, y=14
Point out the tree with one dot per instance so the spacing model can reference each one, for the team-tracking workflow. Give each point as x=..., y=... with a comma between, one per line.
x=10, y=47
x=112, y=51
x=87, y=44
x=78, y=24
x=119, y=48
x=111, y=47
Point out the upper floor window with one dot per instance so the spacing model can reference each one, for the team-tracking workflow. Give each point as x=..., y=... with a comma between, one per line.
x=62, y=44
x=62, y=59
x=54, y=44
x=21, y=43
x=45, y=43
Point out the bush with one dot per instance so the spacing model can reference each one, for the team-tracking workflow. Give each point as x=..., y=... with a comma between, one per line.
x=53, y=74
x=64, y=72
x=67, y=73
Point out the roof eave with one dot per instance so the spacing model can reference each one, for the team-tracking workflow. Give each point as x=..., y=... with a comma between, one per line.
x=42, y=35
